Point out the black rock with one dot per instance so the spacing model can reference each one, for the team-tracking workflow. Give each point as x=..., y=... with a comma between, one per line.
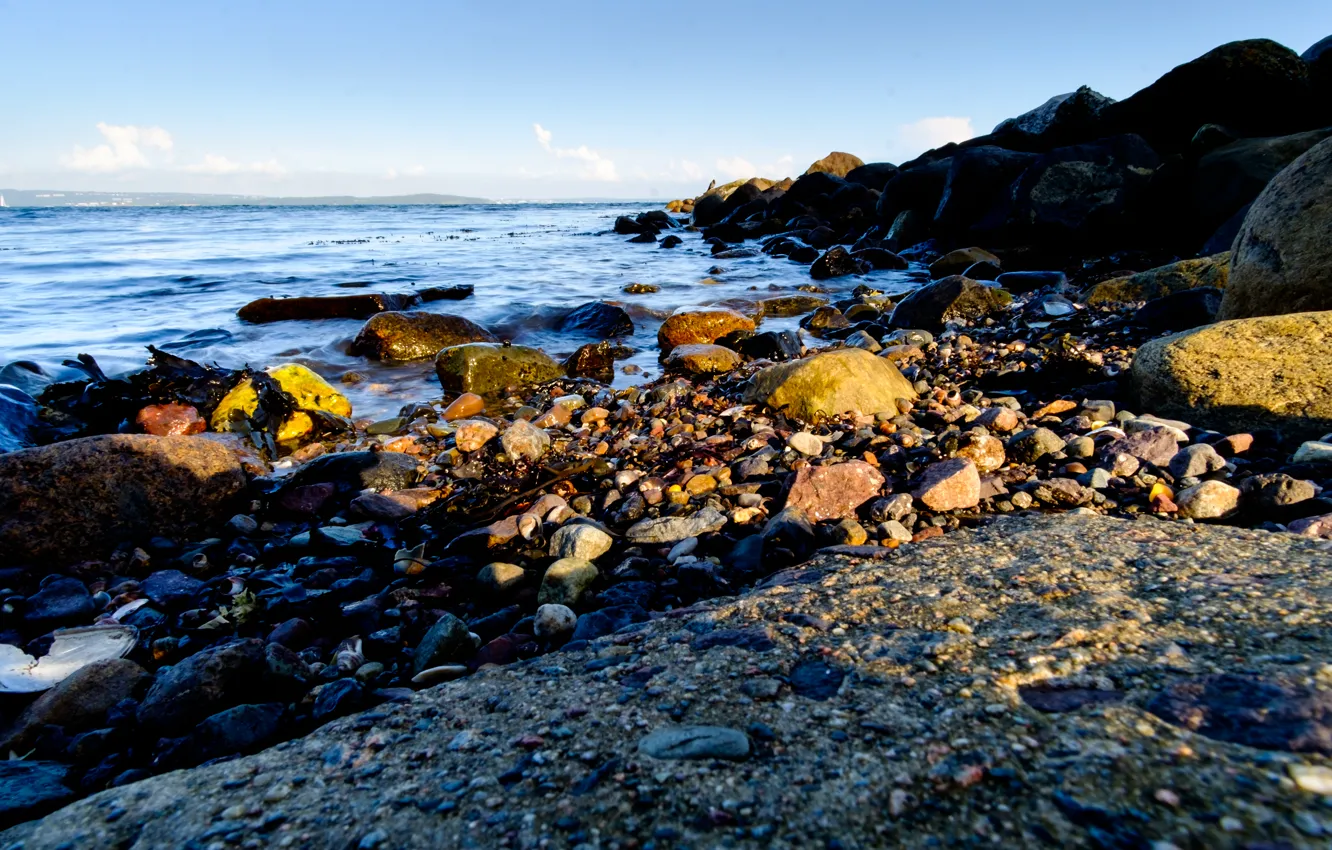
x=172, y=589
x=671, y=241
x=352, y=472
x=59, y=601
x=608, y=621
x=1180, y=311
x=1023, y=282
x=815, y=679
x=595, y=360
x=204, y=683
x=769, y=345
x=643, y=239
x=1062, y=120
x=879, y=259
x=803, y=254
x=1250, y=711
x=985, y=270
x=954, y=297
x=18, y=418
x=339, y=698
x=838, y=262
x=597, y=319
x=874, y=175
x=977, y=179
x=243, y=729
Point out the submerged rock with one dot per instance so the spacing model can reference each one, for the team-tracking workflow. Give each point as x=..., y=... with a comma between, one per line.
x=324, y=307
x=598, y=319
x=80, y=498
x=415, y=336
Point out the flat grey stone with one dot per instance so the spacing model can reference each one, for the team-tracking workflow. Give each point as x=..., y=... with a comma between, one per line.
x=696, y=742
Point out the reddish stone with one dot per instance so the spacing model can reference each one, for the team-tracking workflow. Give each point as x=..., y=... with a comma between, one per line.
x=1235, y=444
x=834, y=491
x=949, y=485
x=501, y=650
x=170, y=420
x=926, y=533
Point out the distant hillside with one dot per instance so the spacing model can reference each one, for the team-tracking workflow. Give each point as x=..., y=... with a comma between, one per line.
x=55, y=198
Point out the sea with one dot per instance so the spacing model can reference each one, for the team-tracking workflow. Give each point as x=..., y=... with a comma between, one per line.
x=108, y=282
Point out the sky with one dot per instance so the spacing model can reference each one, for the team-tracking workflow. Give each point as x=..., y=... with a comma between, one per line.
x=537, y=100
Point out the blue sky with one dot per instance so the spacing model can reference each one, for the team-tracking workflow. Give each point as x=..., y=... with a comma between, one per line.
x=522, y=99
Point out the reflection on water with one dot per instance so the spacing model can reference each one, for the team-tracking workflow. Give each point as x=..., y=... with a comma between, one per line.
x=111, y=281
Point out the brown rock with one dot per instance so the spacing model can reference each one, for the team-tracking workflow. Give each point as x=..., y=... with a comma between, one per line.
x=1063, y=493
x=999, y=419
x=77, y=702
x=415, y=336
x=170, y=420
x=79, y=499
x=691, y=325
x=956, y=262
x=949, y=485
x=703, y=359
x=324, y=307
x=1156, y=446
x=981, y=449
x=834, y=491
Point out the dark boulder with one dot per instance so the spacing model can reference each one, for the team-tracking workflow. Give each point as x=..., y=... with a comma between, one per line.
x=216, y=678
x=243, y=729
x=1064, y=119
x=18, y=418
x=709, y=210
x=949, y=299
x=879, y=259
x=597, y=319
x=1319, y=60
x=812, y=190
x=1180, y=311
x=595, y=360
x=60, y=601
x=769, y=345
x=918, y=188
x=873, y=175
x=908, y=228
x=671, y=241
x=1023, y=282
x=1255, y=87
x=837, y=262
x=977, y=179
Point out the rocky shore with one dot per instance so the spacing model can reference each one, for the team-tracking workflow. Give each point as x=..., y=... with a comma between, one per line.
x=547, y=592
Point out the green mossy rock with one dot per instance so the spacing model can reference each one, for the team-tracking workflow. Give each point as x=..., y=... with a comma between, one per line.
x=486, y=368
x=831, y=383
x=1163, y=280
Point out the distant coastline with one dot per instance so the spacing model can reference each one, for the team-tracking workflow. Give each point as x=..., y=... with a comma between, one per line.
x=62, y=198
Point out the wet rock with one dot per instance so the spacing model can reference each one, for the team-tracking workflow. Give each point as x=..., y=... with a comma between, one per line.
x=949, y=485
x=76, y=703
x=579, y=540
x=80, y=498
x=825, y=318
x=350, y=472
x=1024, y=282
x=566, y=581
x=1282, y=253
x=1251, y=712
x=488, y=368
x=878, y=259
x=771, y=345
x=692, y=325
x=1033, y=444
x=830, y=383
x=1225, y=376
x=599, y=320
x=1208, y=500
x=31, y=789
x=59, y=602
x=834, y=491
x=170, y=420
x=703, y=359
x=323, y=307
x=1184, y=275
x=780, y=306
x=473, y=434
x=18, y=418
x=950, y=299
x=522, y=439
x=447, y=640
x=675, y=529
x=214, y=678
x=837, y=262
x=955, y=262
x=595, y=360
x=695, y=742
x=308, y=391
x=415, y=336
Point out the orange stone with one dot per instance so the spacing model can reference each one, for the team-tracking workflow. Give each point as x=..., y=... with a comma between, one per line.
x=464, y=406
x=170, y=420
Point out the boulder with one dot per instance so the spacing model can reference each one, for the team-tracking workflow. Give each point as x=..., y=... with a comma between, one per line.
x=80, y=498
x=1282, y=259
x=357, y=306
x=957, y=261
x=947, y=300
x=838, y=163
x=949, y=485
x=917, y=187
x=308, y=391
x=1319, y=60
x=597, y=319
x=1265, y=372
x=691, y=325
x=415, y=336
x=488, y=368
x=1230, y=177
x=878, y=259
x=1255, y=87
x=829, y=384
x=977, y=179
x=1211, y=271
x=702, y=359
x=1064, y=119
x=595, y=360
x=1082, y=195
x=1180, y=311
x=873, y=175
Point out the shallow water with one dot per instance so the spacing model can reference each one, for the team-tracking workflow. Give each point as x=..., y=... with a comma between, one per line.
x=109, y=282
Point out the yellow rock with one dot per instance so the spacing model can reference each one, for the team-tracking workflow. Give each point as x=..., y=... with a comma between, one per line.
x=310, y=392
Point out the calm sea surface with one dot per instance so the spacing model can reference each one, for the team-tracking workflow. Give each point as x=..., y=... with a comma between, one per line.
x=109, y=282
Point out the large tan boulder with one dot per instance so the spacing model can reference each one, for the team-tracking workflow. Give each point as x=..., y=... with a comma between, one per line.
x=486, y=368
x=1282, y=257
x=1163, y=280
x=695, y=325
x=415, y=336
x=79, y=499
x=837, y=163
x=831, y=383
x=1265, y=372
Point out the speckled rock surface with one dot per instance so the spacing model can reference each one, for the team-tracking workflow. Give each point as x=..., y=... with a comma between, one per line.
x=989, y=687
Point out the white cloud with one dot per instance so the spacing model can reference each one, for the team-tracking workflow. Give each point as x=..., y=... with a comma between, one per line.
x=928, y=133
x=214, y=164
x=596, y=167
x=737, y=168
x=122, y=150
x=411, y=171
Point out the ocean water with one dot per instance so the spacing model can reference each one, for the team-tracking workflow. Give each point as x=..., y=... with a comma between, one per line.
x=109, y=282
